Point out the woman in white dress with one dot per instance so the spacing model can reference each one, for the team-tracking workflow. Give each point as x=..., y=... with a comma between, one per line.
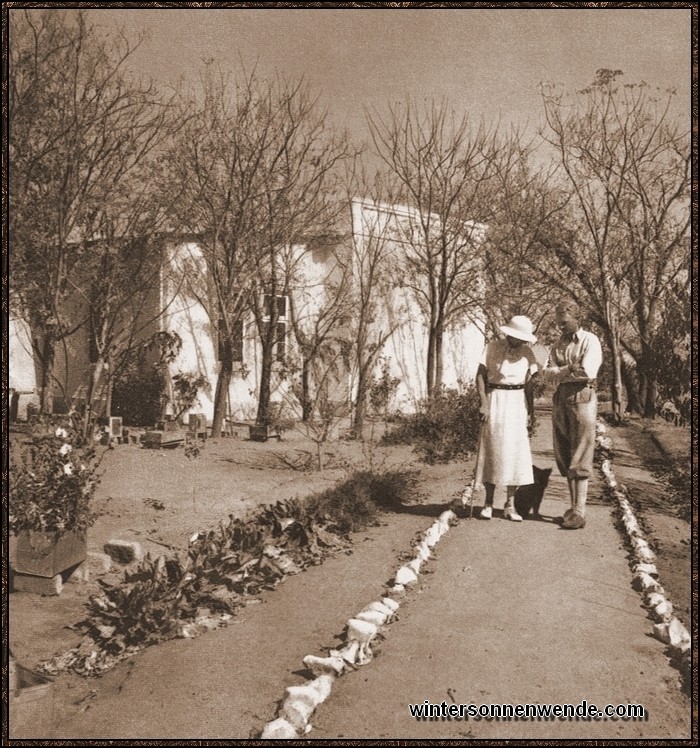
x=504, y=457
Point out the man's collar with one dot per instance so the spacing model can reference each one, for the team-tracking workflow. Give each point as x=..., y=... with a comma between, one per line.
x=573, y=337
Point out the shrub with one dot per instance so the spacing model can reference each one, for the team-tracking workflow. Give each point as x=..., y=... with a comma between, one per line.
x=382, y=391
x=444, y=428
x=138, y=396
x=52, y=481
x=355, y=503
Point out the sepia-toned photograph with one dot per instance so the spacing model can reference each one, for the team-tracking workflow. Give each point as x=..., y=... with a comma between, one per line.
x=349, y=372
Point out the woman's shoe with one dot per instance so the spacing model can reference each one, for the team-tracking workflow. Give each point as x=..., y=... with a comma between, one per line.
x=512, y=515
x=486, y=512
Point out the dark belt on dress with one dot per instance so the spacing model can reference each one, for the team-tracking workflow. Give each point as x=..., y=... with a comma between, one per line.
x=505, y=386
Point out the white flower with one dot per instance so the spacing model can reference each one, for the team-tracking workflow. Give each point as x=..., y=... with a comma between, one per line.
x=65, y=449
x=61, y=433
x=68, y=469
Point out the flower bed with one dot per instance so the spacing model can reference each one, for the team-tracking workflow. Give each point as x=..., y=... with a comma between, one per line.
x=176, y=596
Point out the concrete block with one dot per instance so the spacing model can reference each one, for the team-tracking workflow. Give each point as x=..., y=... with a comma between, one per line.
x=123, y=551
x=37, y=585
x=99, y=563
x=80, y=575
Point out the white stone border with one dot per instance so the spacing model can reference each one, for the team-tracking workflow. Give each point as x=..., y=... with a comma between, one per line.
x=294, y=714
x=646, y=577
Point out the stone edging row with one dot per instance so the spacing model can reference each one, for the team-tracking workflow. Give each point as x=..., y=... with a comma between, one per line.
x=295, y=711
x=294, y=714
x=645, y=574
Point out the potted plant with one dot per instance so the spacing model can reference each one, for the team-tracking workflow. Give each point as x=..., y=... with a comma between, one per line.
x=52, y=482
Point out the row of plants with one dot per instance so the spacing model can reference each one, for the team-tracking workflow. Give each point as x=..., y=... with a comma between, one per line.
x=168, y=597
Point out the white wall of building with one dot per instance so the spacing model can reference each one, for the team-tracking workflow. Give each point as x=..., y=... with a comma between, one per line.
x=22, y=373
x=186, y=316
x=407, y=348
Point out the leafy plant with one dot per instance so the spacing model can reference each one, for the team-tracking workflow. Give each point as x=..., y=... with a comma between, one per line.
x=444, y=428
x=52, y=481
x=382, y=390
x=186, y=387
x=136, y=396
x=180, y=596
x=355, y=502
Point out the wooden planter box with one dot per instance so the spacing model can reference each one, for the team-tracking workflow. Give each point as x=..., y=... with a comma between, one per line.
x=46, y=554
x=160, y=439
x=263, y=433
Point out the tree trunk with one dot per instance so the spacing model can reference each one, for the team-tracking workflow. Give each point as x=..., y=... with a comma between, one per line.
x=92, y=391
x=360, y=402
x=108, y=400
x=647, y=382
x=265, y=384
x=617, y=404
x=430, y=373
x=223, y=382
x=439, y=335
x=650, y=398
x=46, y=352
x=634, y=404
x=306, y=404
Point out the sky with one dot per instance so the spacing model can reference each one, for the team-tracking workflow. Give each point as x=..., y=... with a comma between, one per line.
x=486, y=62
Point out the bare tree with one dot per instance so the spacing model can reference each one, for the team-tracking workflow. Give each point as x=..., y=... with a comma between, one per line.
x=253, y=168
x=124, y=268
x=80, y=129
x=628, y=168
x=443, y=169
x=374, y=259
x=299, y=201
x=215, y=166
x=318, y=311
x=520, y=276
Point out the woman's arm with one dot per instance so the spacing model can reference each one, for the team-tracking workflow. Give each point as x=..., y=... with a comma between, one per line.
x=481, y=378
x=530, y=393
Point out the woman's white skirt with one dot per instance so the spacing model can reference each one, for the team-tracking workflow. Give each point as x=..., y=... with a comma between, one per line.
x=504, y=455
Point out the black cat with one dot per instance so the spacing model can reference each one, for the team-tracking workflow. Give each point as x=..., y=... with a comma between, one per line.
x=528, y=498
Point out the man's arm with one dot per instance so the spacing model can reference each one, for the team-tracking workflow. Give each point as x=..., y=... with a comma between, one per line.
x=592, y=357
x=551, y=372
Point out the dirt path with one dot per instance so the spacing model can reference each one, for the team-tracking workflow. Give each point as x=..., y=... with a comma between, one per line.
x=517, y=613
x=505, y=613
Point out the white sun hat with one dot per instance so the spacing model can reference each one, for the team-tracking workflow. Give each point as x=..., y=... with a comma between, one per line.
x=519, y=327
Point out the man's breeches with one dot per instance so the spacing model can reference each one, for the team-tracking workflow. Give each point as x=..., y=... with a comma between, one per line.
x=574, y=414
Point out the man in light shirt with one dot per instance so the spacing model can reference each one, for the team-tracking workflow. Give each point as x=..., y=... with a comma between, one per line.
x=573, y=363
